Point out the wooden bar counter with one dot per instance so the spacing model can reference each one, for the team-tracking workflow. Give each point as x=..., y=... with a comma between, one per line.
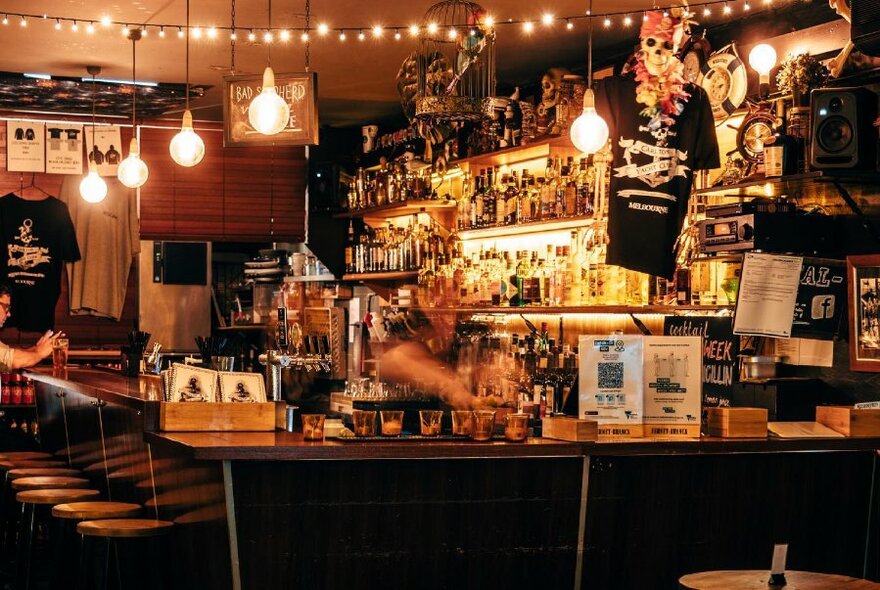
x=269, y=510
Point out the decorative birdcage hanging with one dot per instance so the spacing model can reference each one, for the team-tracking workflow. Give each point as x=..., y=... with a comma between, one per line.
x=456, y=62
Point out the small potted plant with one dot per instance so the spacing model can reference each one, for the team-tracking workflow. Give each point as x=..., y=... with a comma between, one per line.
x=798, y=75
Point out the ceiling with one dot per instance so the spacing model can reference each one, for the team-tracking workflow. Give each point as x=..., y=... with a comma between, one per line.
x=356, y=78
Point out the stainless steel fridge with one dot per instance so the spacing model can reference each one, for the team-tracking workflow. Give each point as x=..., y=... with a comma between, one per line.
x=174, y=292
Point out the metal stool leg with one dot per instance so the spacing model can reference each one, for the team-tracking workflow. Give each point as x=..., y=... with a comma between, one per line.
x=82, y=575
x=26, y=545
x=106, y=581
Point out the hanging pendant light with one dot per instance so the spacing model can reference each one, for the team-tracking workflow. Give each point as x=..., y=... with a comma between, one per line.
x=187, y=148
x=92, y=188
x=589, y=132
x=132, y=171
x=268, y=112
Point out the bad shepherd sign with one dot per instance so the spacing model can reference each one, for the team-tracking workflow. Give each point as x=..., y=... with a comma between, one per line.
x=300, y=90
x=720, y=351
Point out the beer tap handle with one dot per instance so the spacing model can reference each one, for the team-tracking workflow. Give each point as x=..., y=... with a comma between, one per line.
x=326, y=341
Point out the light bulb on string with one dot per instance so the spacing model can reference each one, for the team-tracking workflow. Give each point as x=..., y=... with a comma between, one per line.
x=747, y=7
x=252, y=36
x=187, y=148
x=762, y=58
x=90, y=28
x=727, y=9
x=92, y=188
x=5, y=20
x=452, y=33
x=268, y=113
x=74, y=27
x=323, y=29
x=57, y=25
x=132, y=171
x=233, y=36
x=212, y=33
x=267, y=37
x=627, y=21
x=304, y=37
x=161, y=32
x=197, y=33
x=361, y=36
x=414, y=30
x=377, y=31
x=105, y=21
x=179, y=33
x=589, y=132
x=569, y=25
x=606, y=23
x=432, y=28
x=397, y=35
x=23, y=22
x=528, y=27
x=342, y=36
x=547, y=19
x=284, y=36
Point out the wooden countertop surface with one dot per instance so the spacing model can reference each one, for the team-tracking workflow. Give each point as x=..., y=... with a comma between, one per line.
x=144, y=393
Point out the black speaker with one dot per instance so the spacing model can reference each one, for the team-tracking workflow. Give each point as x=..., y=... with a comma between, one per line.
x=865, y=26
x=843, y=135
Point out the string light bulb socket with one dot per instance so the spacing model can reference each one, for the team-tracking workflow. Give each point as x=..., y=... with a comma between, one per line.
x=187, y=148
x=92, y=187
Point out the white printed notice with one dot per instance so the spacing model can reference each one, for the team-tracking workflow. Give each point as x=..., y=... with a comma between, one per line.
x=64, y=149
x=25, y=146
x=767, y=295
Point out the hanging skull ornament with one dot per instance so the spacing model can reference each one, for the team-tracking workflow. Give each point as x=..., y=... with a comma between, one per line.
x=661, y=36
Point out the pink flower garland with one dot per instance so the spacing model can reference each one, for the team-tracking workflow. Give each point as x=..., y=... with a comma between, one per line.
x=663, y=95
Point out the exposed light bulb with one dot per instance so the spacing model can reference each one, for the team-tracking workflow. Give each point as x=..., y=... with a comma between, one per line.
x=187, y=148
x=361, y=36
x=179, y=33
x=528, y=26
x=414, y=30
x=132, y=171
x=323, y=29
x=627, y=21
x=547, y=19
x=747, y=7
x=377, y=31
x=707, y=11
x=197, y=33
x=92, y=188
x=267, y=37
x=57, y=25
x=727, y=9
x=304, y=37
x=284, y=35
x=589, y=132
x=489, y=21
x=90, y=28
x=162, y=32
x=432, y=28
x=5, y=20
x=74, y=27
x=268, y=112
x=105, y=21
x=342, y=36
x=569, y=25
x=453, y=33
x=212, y=33
x=23, y=22
x=252, y=36
x=397, y=35
x=606, y=23
x=762, y=58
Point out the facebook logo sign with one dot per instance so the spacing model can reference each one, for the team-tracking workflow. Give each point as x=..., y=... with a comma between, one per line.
x=822, y=307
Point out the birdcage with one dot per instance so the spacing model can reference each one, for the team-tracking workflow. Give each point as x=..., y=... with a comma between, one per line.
x=456, y=62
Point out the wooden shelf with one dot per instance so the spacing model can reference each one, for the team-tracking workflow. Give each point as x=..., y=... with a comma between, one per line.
x=483, y=233
x=381, y=276
x=310, y=279
x=809, y=184
x=398, y=209
x=542, y=148
x=586, y=309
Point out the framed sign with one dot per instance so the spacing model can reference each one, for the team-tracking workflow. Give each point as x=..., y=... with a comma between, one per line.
x=863, y=286
x=300, y=90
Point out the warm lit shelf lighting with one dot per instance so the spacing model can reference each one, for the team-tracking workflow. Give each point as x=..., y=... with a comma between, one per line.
x=533, y=227
x=381, y=276
x=398, y=209
x=309, y=279
x=592, y=309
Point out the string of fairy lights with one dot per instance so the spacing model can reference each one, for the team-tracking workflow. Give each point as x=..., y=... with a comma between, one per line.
x=608, y=20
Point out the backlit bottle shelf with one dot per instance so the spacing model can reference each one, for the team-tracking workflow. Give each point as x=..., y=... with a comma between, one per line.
x=399, y=209
x=381, y=276
x=585, y=309
x=533, y=227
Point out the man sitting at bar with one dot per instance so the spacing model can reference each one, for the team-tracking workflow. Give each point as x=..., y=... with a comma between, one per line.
x=20, y=358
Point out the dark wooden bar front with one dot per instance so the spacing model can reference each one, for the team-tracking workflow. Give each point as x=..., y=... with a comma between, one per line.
x=468, y=515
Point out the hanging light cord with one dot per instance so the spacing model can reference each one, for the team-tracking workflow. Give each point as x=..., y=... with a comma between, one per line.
x=269, y=45
x=134, y=90
x=187, y=54
x=232, y=39
x=308, y=29
x=93, y=115
x=590, y=48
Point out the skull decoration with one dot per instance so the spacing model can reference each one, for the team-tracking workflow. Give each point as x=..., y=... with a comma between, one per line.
x=660, y=36
x=551, y=84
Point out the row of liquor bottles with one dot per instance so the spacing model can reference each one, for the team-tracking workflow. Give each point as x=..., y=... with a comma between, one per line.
x=393, y=183
x=16, y=389
x=393, y=247
x=530, y=372
x=493, y=199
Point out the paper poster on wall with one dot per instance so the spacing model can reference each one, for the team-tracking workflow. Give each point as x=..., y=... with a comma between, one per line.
x=768, y=291
x=105, y=149
x=64, y=149
x=25, y=146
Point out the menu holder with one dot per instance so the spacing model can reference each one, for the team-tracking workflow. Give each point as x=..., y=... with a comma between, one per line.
x=570, y=429
x=729, y=422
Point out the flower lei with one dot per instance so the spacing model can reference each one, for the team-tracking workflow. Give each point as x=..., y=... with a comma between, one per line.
x=663, y=96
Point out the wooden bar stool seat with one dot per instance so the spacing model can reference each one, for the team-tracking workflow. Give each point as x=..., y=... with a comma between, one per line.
x=43, y=472
x=25, y=455
x=48, y=482
x=9, y=464
x=95, y=510
x=120, y=528
x=56, y=496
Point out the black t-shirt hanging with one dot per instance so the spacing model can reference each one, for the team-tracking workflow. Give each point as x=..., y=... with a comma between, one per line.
x=652, y=174
x=39, y=238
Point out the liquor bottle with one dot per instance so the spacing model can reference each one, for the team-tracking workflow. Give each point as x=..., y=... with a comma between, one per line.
x=575, y=271
x=489, y=212
x=522, y=275
x=477, y=200
x=349, y=248
x=511, y=200
x=501, y=199
x=570, y=200
x=683, y=286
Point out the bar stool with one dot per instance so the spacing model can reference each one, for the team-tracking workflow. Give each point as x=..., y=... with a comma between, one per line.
x=25, y=455
x=68, y=515
x=18, y=473
x=30, y=501
x=116, y=530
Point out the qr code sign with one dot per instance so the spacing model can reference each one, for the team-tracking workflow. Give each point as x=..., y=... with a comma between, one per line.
x=610, y=375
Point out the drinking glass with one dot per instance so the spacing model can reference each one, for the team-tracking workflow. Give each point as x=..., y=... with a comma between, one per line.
x=392, y=422
x=462, y=422
x=59, y=353
x=430, y=422
x=313, y=426
x=364, y=422
x=516, y=426
x=483, y=425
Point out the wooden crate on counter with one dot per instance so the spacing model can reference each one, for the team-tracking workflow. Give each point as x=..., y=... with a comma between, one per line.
x=850, y=421
x=216, y=416
x=737, y=422
x=570, y=429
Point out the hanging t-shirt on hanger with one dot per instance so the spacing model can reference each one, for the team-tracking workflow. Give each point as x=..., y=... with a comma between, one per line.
x=652, y=173
x=39, y=238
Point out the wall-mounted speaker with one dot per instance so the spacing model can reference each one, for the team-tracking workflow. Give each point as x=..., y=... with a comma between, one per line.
x=843, y=134
x=865, y=26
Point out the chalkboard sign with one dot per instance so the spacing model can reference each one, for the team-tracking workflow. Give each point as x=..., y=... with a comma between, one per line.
x=300, y=90
x=821, y=298
x=720, y=352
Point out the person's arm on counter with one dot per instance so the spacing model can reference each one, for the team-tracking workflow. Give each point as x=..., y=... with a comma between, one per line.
x=20, y=358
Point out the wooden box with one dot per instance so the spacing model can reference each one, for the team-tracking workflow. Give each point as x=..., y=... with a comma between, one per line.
x=850, y=421
x=570, y=429
x=216, y=416
x=738, y=422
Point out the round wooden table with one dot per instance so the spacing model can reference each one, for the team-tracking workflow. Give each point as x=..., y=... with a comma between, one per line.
x=757, y=580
